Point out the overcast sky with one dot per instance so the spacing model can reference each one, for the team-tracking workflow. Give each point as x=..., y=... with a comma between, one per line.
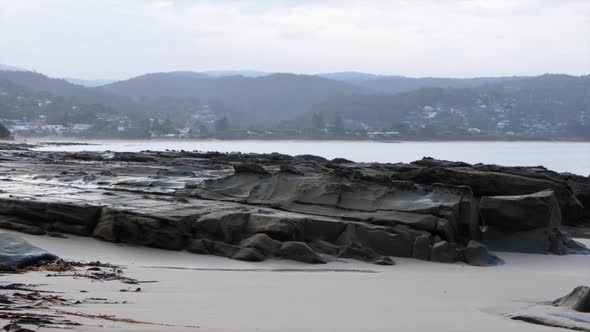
x=459, y=38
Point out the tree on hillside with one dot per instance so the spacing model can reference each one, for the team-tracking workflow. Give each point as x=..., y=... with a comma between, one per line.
x=317, y=121
x=339, y=125
x=221, y=124
x=4, y=132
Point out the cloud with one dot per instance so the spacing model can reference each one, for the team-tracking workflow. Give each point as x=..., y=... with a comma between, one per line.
x=418, y=37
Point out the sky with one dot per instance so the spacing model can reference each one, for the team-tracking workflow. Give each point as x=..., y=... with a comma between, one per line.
x=117, y=39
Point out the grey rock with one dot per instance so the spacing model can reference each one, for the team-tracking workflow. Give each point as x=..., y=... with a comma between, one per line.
x=249, y=255
x=262, y=243
x=274, y=225
x=222, y=249
x=522, y=212
x=493, y=180
x=384, y=261
x=445, y=228
x=578, y=299
x=444, y=252
x=229, y=225
x=568, y=312
x=325, y=247
x=250, y=168
x=20, y=225
x=357, y=251
x=300, y=251
x=15, y=252
x=290, y=169
x=389, y=244
x=477, y=254
x=104, y=227
x=421, y=248
x=199, y=246
x=201, y=202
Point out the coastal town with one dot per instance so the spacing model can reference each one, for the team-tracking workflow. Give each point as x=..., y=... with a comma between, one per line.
x=426, y=123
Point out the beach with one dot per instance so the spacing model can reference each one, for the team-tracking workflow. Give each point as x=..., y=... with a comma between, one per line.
x=219, y=294
x=223, y=242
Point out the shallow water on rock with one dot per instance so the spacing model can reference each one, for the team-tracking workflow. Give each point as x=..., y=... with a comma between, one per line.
x=571, y=157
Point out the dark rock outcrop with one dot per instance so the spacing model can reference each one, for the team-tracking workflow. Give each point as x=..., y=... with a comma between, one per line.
x=529, y=223
x=578, y=299
x=249, y=255
x=4, y=132
x=494, y=180
x=52, y=215
x=300, y=251
x=15, y=253
x=568, y=312
x=477, y=254
x=250, y=168
x=253, y=207
x=444, y=252
x=263, y=244
x=522, y=212
x=422, y=247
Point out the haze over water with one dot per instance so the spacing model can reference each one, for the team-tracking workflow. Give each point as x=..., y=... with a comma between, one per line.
x=573, y=157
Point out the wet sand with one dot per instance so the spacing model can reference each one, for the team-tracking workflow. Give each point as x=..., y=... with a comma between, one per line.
x=219, y=294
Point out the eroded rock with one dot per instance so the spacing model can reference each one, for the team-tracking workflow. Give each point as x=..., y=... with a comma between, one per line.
x=477, y=254
x=258, y=206
x=521, y=212
x=444, y=252
x=15, y=252
x=578, y=299
x=263, y=244
x=568, y=312
x=300, y=251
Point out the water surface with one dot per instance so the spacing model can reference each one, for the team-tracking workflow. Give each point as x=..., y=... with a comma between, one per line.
x=571, y=157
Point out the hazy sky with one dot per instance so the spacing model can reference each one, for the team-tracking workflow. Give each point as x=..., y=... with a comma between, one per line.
x=122, y=38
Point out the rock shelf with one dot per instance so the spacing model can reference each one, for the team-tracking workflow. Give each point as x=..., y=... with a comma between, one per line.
x=257, y=206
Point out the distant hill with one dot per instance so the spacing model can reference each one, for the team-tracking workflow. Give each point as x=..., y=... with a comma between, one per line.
x=39, y=82
x=537, y=104
x=189, y=74
x=551, y=97
x=18, y=102
x=548, y=106
x=245, y=73
x=266, y=99
x=35, y=88
x=89, y=83
x=220, y=73
x=6, y=67
x=396, y=84
x=351, y=76
x=38, y=87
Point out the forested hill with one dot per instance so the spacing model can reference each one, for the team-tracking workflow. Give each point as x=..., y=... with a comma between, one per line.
x=547, y=106
x=396, y=84
x=265, y=99
x=544, y=105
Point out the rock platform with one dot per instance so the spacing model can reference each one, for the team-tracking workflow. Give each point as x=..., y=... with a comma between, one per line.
x=257, y=206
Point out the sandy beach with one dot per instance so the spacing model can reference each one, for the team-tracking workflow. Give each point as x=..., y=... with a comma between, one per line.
x=295, y=166
x=224, y=242
x=219, y=294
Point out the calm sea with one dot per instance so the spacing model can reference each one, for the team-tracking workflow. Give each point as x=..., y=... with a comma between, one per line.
x=571, y=157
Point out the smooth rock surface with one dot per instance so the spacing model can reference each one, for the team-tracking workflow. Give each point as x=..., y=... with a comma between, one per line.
x=15, y=252
x=247, y=206
x=477, y=254
x=578, y=300
x=521, y=212
x=300, y=251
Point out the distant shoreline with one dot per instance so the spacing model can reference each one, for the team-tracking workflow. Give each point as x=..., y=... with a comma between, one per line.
x=69, y=140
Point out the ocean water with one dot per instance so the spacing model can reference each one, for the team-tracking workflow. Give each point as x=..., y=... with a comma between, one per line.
x=571, y=157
